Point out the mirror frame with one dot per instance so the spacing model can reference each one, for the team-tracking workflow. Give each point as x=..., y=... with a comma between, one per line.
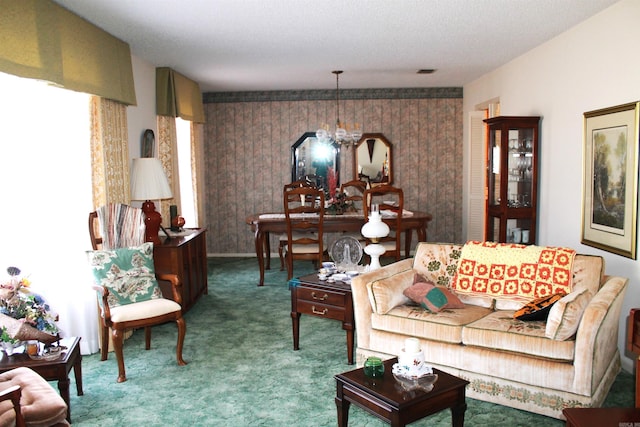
x=295, y=156
x=379, y=138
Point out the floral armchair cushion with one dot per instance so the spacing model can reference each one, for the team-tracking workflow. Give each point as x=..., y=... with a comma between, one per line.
x=128, y=274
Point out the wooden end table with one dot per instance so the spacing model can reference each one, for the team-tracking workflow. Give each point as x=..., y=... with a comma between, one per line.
x=52, y=370
x=385, y=398
x=310, y=295
x=602, y=417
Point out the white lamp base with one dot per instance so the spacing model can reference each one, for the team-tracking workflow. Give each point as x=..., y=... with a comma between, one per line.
x=375, y=251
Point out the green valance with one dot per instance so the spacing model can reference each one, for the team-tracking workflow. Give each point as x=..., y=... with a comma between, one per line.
x=178, y=96
x=41, y=40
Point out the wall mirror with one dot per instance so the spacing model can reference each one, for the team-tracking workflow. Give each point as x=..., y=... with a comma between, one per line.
x=311, y=159
x=372, y=159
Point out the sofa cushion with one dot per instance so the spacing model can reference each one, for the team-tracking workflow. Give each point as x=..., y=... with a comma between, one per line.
x=438, y=263
x=538, y=309
x=445, y=326
x=513, y=272
x=387, y=293
x=431, y=297
x=588, y=273
x=500, y=331
x=564, y=316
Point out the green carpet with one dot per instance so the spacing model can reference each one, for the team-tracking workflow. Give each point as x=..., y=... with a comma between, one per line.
x=243, y=371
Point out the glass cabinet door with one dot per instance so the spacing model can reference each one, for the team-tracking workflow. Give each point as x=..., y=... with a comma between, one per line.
x=512, y=152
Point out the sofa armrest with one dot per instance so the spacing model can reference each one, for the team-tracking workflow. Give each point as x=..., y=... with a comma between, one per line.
x=361, y=305
x=597, y=335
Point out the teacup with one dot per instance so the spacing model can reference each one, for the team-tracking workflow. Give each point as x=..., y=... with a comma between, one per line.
x=328, y=265
x=412, y=363
x=322, y=276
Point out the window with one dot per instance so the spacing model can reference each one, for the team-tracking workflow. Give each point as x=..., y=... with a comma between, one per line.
x=45, y=175
x=187, y=209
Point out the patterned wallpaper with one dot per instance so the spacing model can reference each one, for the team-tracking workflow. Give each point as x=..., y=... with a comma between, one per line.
x=248, y=157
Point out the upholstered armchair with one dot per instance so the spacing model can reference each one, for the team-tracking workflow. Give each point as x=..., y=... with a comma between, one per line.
x=26, y=399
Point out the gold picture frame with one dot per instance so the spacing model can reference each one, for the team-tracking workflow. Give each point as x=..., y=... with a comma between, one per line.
x=610, y=179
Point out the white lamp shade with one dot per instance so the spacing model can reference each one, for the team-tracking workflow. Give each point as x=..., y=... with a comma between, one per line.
x=375, y=228
x=148, y=180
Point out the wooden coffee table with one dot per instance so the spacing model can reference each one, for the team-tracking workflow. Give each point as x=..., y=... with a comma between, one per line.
x=52, y=370
x=385, y=398
x=310, y=295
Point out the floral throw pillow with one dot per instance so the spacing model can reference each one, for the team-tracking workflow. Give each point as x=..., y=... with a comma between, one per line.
x=128, y=273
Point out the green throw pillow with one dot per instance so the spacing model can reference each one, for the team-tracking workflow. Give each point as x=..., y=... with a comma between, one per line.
x=128, y=273
x=431, y=297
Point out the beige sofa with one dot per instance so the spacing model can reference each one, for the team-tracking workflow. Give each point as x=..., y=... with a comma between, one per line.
x=507, y=361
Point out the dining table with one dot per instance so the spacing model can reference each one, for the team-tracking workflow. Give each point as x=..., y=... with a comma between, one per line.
x=263, y=224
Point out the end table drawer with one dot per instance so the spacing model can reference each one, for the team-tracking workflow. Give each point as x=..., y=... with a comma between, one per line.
x=321, y=310
x=320, y=296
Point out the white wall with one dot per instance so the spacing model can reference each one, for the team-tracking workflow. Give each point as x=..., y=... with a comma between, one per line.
x=593, y=65
x=142, y=116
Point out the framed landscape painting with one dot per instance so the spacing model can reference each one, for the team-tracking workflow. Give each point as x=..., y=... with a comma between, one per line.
x=610, y=181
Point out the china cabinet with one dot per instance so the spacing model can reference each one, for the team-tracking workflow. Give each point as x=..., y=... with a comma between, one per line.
x=512, y=179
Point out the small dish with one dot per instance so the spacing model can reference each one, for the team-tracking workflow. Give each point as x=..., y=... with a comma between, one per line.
x=48, y=354
x=402, y=371
x=339, y=276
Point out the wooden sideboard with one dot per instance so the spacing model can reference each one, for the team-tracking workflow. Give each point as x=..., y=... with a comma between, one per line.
x=185, y=256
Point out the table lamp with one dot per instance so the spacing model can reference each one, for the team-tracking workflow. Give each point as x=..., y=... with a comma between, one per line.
x=374, y=230
x=149, y=182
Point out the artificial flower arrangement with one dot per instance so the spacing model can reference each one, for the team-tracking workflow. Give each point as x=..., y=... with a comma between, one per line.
x=337, y=203
x=24, y=315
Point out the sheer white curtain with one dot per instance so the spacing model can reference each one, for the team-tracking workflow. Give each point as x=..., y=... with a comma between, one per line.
x=45, y=188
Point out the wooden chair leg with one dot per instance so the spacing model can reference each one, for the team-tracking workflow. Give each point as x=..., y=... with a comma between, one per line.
x=182, y=330
x=117, y=347
x=147, y=337
x=281, y=254
x=104, y=350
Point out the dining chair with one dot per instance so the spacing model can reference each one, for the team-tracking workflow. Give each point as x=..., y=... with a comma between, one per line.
x=282, y=239
x=129, y=296
x=304, y=215
x=390, y=201
x=355, y=191
x=355, y=194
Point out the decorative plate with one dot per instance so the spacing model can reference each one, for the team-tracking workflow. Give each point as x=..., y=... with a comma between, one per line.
x=346, y=250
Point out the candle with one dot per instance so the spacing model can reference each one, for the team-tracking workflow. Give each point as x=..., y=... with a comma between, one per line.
x=411, y=345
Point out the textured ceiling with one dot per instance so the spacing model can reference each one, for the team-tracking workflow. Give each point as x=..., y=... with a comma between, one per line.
x=246, y=45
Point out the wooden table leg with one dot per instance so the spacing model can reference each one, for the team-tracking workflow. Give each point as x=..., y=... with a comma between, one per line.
x=77, y=372
x=457, y=415
x=259, y=240
x=343, y=407
x=63, y=386
x=267, y=251
x=295, y=322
